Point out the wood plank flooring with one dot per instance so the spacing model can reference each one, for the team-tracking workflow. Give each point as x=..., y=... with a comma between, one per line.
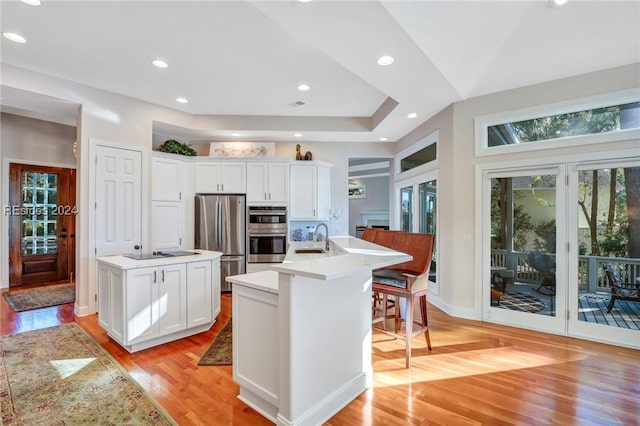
x=477, y=374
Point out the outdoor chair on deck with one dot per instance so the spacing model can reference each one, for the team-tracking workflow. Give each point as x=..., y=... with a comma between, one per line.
x=408, y=281
x=620, y=290
x=546, y=267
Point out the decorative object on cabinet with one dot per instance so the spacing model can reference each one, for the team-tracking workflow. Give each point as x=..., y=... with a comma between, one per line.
x=241, y=149
x=175, y=147
x=358, y=191
x=221, y=351
x=308, y=156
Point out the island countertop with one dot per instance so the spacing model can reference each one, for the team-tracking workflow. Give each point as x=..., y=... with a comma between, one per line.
x=346, y=255
x=123, y=262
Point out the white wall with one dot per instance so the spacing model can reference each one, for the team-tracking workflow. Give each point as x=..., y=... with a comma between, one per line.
x=459, y=259
x=30, y=141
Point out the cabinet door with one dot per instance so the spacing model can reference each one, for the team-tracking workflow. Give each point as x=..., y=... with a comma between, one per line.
x=141, y=305
x=199, y=293
x=323, y=193
x=172, y=299
x=233, y=177
x=207, y=177
x=104, y=297
x=167, y=225
x=257, y=175
x=303, y=194
x=216, y=289
x=167, y=179
x=278, y=190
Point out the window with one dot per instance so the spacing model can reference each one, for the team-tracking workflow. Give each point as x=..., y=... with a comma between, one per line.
x=419, y=157
x=586, y=122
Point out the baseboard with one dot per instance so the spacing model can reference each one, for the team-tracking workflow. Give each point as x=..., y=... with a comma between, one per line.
x=454, y=311
x=330, y=405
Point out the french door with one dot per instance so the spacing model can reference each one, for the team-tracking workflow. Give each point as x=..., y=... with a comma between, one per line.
x=42, y=214
x=523, y=277
x=417, y=212
x=549, y=233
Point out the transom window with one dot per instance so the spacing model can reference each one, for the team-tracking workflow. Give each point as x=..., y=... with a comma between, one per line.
x=586, y=122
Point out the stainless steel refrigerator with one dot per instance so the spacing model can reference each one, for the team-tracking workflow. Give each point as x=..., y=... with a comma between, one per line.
x=220, y=226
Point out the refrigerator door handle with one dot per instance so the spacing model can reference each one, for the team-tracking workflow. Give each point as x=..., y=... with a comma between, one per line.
x=219, y=225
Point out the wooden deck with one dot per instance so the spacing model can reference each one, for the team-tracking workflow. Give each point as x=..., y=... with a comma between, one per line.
x=593, y=308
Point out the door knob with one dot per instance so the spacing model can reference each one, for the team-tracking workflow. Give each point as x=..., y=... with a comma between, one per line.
x=137, y=247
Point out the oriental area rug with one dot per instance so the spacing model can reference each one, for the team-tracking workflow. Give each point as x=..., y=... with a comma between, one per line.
x=221, y=350
x=41, y=297
x=61, y=376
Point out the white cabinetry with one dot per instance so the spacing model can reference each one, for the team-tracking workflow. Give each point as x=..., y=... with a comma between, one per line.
x=203, y=292
x=221, y=177
x=155, y=302
x=267, y=182
x=146, y=303
x=169, y=189
x=310, y=191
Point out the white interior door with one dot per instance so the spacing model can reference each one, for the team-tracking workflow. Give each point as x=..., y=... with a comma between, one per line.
x=118, y=200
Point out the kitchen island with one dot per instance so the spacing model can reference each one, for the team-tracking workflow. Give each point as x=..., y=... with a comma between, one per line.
x=147, y=302
x=302, y=331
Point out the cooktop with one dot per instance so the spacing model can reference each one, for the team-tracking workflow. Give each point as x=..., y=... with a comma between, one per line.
x=159, y=254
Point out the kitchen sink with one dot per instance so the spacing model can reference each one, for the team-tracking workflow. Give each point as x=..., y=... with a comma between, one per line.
x=309, y=250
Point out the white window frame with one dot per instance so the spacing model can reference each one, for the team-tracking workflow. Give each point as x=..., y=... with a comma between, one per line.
x=430, y=139
x=482, y=123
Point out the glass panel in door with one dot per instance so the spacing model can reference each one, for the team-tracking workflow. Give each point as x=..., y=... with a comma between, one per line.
x=427, y=217
x=523, y=244
x=608, y=231
x=406, y=209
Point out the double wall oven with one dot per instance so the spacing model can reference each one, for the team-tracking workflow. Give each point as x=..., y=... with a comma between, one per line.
x=267, y=234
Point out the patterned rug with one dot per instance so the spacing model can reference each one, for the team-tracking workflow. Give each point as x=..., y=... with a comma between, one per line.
x=41, y=297
x=221, y=350
x=61, y=376
x=520, y=302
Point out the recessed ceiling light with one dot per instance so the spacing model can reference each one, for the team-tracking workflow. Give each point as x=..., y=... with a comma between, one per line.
x=297, y=135
x=385, y=60
x=235, y=134
x=412, y=115
x=182, y=100
x=304, y=1
x=160, y=63
x=383, y=139
x=31, y=2
x=14, y=37
x=303, y=87
x=558, y=3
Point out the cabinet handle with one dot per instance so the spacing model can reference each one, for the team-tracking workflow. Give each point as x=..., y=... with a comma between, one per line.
x=265, y=195
x=163, y=275
x=269, y=196
x=222, y=185
x=155, y=276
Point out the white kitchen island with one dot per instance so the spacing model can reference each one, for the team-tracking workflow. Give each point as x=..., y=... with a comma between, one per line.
x=302, y=331
x=144, y=303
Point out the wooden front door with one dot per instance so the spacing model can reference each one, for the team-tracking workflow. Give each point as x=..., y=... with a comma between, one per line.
x=42, y=213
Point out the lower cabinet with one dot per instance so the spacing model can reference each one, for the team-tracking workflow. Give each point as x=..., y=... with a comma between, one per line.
x=143, y=307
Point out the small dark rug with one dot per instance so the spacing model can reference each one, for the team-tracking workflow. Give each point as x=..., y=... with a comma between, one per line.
x=41, y=297
x=520, y=302
x=221, y=350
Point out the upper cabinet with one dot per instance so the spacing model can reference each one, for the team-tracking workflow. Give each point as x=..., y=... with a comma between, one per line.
x=310, y=191
x=168, y=179
x=221, y=177
x=267, y=182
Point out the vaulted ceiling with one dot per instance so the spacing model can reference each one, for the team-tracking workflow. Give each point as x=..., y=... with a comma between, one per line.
x=242, y=61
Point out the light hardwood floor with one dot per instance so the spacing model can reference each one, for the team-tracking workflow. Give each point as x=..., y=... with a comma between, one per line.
x=477, y=374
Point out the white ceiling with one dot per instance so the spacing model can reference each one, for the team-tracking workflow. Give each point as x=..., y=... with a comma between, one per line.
x=243, y=61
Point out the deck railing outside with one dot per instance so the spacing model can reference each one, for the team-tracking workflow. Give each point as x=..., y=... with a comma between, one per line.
x=590, y=269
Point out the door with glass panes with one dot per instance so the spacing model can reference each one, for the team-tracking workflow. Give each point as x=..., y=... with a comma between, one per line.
x=41, y=214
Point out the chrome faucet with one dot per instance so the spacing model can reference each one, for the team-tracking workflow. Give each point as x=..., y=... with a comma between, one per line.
x=326, y=229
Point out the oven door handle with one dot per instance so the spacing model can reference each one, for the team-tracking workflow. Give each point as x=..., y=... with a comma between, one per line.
x=267, y=235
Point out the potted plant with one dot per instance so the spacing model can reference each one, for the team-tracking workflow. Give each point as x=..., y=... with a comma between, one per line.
x=175, y=147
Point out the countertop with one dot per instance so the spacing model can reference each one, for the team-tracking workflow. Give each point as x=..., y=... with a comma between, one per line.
x=127, y=263
x=346, y=256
